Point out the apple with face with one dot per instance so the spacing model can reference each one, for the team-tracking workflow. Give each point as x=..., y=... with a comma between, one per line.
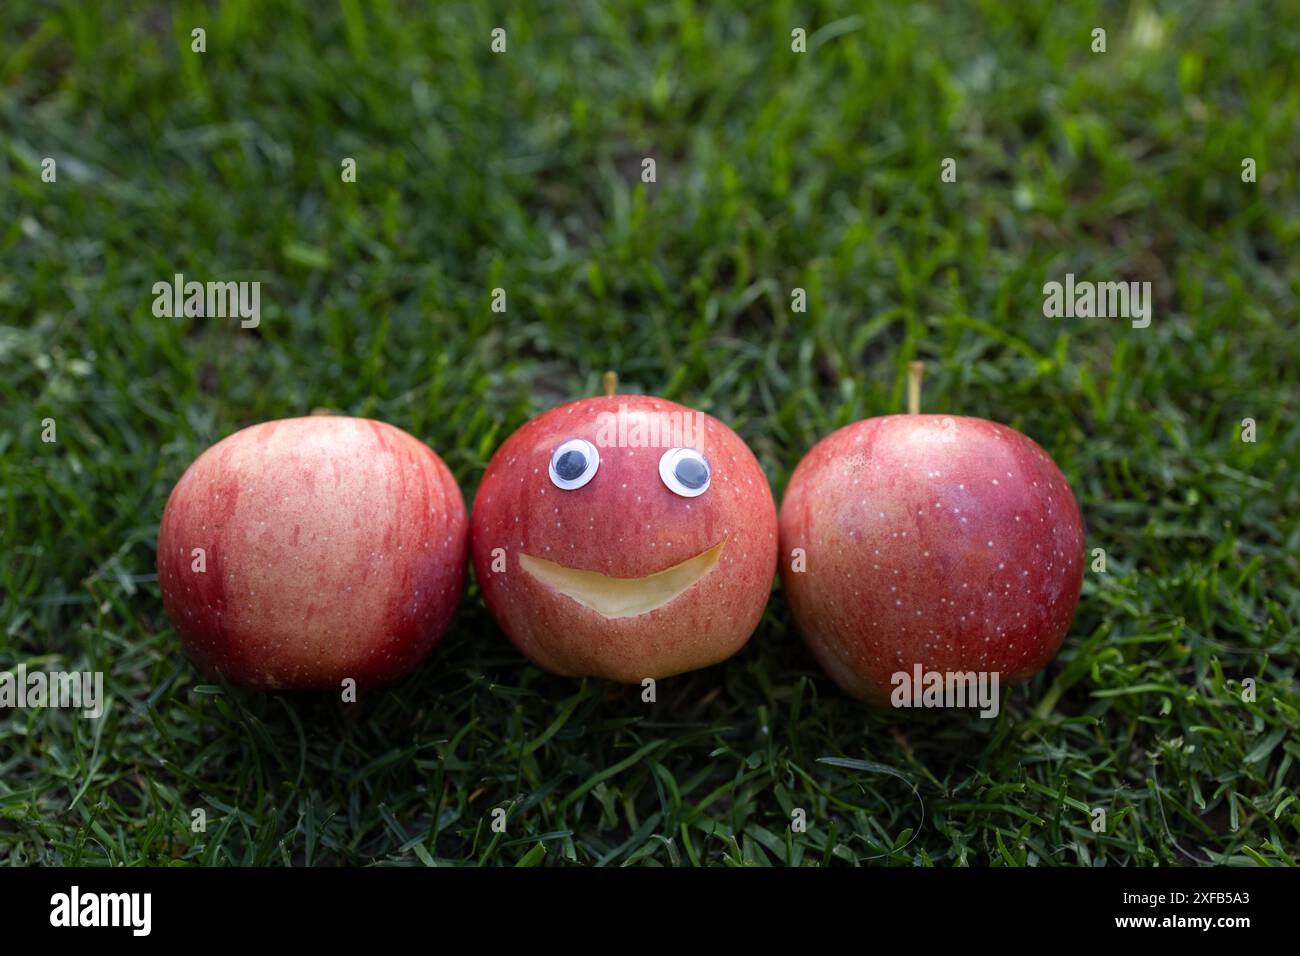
x=950, y=543
x=296, y=553
x=625, y=537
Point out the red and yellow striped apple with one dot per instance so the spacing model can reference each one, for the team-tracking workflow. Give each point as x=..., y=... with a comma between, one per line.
x=297, y=553
x=946, y=542
x=625, y=537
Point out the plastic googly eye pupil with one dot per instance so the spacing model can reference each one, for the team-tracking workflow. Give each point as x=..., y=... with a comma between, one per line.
x=571, y=464
x=691, y=472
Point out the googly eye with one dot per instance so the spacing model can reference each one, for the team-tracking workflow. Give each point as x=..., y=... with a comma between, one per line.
x=574, y=463
x=685, y=471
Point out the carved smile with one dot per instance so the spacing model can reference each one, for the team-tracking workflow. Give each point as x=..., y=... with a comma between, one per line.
x=622, y=597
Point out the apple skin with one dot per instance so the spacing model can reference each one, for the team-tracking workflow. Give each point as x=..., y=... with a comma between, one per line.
x=625, y=524
x=335, y=548
x=951, y=542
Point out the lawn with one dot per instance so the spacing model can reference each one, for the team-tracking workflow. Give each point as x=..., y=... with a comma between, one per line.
x=774, y=171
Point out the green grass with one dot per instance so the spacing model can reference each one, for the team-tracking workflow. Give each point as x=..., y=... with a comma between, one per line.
x=774, y=170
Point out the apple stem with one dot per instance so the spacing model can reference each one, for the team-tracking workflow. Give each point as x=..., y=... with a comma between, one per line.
x=915, y=370
x=611, y=384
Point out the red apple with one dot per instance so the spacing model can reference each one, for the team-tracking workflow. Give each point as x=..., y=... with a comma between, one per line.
x=606, y=547
x=296, y=553
x=952, y=543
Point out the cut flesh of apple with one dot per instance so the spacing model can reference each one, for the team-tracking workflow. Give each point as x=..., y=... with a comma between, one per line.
x=622, y=597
